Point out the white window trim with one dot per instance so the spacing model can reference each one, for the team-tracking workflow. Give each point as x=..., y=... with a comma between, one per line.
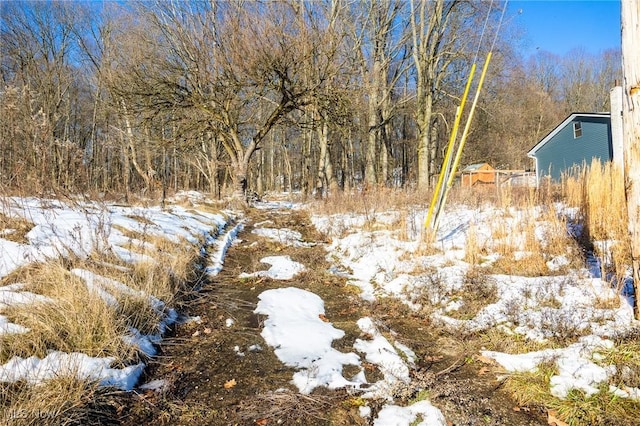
x=577, y=127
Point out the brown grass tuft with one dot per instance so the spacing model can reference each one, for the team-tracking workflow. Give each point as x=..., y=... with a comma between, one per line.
x=59, y=401
x=14, y=228
x=76, y=320
x=478, y=291
x=599, y=193
x=370, y=200
x=288, y=407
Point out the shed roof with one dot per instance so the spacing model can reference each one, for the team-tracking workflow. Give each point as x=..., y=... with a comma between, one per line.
x=561, y=126
x=476, y=166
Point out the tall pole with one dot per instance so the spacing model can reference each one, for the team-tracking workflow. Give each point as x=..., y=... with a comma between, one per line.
x=463, y=140
x=630, y=18
x=436, y=200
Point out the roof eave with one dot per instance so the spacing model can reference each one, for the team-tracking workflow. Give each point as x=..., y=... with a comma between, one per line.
x=552, y=133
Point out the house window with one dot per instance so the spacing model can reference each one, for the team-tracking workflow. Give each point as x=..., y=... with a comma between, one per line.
x=577, y=129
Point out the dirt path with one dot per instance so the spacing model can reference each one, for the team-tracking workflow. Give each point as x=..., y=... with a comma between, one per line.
x=219, y=371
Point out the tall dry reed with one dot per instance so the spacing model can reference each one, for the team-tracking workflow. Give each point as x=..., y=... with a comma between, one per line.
x=598, y=191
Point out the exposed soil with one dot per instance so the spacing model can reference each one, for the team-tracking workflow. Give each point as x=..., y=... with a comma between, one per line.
x=199, y=358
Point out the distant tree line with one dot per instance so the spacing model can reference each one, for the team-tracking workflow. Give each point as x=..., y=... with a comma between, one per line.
x=292, y=95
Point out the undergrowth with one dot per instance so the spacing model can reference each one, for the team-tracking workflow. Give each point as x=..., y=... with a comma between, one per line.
x=74, y=315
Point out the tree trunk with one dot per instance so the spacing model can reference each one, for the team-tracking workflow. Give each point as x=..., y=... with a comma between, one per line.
x=325, y=180
x=272, y=167
x=372, y=134
x=126, y=169
x=306, y=174
x=288, y=169
x=260, y=173
x=424, y=145
x=132, y=147
x=240, y=182
x=321, y=177
x=348, y=169
x=631, y=130
x=329, y=173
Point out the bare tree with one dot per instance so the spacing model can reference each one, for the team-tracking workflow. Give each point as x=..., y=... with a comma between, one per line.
x=378, y=42
x=435, y=31
x=41, y=84
x=587, y=79
x=222, y=68
x=328, y=108
x=176, y=94
x=518, y=110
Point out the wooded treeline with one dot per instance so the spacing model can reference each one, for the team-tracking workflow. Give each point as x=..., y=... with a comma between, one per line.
x=288, y=95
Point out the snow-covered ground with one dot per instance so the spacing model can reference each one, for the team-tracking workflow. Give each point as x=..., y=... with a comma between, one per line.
x=383, y=261
x=382, y=264
x=62, y=229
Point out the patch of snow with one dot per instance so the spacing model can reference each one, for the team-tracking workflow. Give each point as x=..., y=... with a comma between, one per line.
x=255, y=348
x=393, y=415
x=12, y=296
x=277, y=205
x=301, y=339
x=217, y=260
x=282, y=268
x=576, y=370
x=190, y=319
x=558, y=262
x=7, y=327
x=35, y=370
x=159, y=385
x=145, y=342
x=380, y=352
x=236, y=349
x=282, y=235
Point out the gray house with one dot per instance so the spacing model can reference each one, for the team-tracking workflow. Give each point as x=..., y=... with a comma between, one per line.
x=579, y=139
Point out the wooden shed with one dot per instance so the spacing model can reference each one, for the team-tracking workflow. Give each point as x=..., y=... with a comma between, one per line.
x=478, y=174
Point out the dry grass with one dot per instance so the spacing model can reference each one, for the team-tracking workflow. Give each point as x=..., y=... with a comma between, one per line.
x=163, y=278
x=527, y=233
x=370, y=200
x=76, y=320
x=473, y=251
x=604, y=203
x=531, y=388
x=599, y=193
x=79, y=319
x=510, y=237
x=498, y=340
x=478, y=291
x=59, y=401
x=288, y=407
x=625, y=355
x=577, y=409
x=601, y=408
x=14, y=228
x=529, y=266
x=137, y=312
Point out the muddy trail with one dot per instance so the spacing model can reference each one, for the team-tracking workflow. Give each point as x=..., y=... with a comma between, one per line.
x=217, y=369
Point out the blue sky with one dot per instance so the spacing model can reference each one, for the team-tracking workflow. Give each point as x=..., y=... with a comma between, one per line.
x=561, y=25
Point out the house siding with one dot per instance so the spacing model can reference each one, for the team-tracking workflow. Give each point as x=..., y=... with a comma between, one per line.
x=563, y=152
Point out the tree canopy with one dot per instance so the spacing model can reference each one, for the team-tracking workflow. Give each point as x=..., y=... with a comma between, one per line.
x=230, y=96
